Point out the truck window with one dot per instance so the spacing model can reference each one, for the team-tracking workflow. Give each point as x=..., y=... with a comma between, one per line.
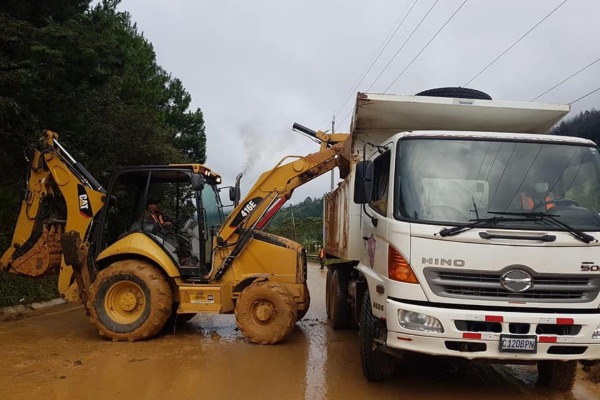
x=381, y=179
x=456, y=180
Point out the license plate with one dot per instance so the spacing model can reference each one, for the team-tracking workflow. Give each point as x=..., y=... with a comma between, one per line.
x=518, y=344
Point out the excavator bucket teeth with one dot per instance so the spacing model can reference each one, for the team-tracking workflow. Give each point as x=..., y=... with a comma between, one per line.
x=44, y=256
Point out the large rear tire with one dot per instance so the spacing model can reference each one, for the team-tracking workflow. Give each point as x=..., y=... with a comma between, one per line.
x=130, y=300
x=377, y=366
x=557, y=375
x=266, y=312
x=328, y=290
x=340, y=311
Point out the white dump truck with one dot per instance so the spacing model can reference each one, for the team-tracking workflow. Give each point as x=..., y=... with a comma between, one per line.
x=462, y=229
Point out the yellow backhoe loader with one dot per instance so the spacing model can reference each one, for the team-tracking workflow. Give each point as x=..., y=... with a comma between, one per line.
x=135, y=273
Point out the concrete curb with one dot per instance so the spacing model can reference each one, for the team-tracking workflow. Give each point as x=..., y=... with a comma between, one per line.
x=28, y=307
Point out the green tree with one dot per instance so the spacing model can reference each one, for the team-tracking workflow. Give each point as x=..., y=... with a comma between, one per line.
x=87, y=73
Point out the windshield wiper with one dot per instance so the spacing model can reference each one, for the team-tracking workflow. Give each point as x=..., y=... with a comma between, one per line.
x=539, y=216
x=475, y=223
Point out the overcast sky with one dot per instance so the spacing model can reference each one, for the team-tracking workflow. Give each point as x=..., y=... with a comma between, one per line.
x=256, y=67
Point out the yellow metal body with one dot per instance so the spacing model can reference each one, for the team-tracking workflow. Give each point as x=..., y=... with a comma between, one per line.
x=138, y=245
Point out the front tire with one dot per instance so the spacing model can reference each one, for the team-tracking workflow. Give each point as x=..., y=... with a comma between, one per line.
x=377, y=365
x=130, y=300
x=328, y=291
x=557, y=375
x=266, y=312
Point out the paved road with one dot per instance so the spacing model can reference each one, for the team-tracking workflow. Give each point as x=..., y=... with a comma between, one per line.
x=58, y=355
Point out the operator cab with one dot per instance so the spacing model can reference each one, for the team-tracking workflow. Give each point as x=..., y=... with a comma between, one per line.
x=177, y=206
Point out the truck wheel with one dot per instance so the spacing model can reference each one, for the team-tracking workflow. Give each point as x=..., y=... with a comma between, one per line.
x=457, y=92
x=339, y=307
x=328, y=286
x=557, y=375
x=130, y=300
x=377, y=365
x=266, y=312
x=302, y=313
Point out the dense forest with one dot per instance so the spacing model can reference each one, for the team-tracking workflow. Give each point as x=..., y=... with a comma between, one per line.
x=585, y=125
x=86, y=72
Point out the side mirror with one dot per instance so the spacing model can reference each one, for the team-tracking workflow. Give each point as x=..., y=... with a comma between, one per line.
x=198, y=182
x=363, y=182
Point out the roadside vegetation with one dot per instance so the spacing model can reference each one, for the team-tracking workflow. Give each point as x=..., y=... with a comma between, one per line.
x=20, y=290
x=302, y=223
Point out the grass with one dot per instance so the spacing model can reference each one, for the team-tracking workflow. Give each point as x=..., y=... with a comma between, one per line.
x=21, y=290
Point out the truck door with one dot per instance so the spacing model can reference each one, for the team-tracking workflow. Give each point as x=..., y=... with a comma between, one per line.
x=375, y=228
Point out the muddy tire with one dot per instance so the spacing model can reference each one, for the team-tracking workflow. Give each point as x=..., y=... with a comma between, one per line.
x=339, y=308
x=266, y=312
x=130, y=300
x=377, y=366
x=302, y=313
x=456, y=92
x=557, y=375
x=328, y=286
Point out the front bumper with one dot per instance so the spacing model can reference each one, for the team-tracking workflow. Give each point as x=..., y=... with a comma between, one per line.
x=476, y=334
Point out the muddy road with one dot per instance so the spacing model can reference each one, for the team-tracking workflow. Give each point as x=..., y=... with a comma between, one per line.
x=56, y=354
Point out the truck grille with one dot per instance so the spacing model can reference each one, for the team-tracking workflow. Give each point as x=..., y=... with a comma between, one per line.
x=484, y=285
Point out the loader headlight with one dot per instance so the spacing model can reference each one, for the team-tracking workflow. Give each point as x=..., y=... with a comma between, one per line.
x=419, y=322
x=596, y=334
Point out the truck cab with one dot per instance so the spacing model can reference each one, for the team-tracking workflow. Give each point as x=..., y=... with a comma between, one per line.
x=465, y=239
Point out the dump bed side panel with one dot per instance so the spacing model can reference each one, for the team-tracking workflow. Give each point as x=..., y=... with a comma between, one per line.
x=342, y=222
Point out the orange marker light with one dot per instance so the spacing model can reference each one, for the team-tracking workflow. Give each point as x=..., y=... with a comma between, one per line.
x=398, y=267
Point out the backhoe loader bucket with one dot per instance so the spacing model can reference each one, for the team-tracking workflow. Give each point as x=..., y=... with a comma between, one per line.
x=44, y=256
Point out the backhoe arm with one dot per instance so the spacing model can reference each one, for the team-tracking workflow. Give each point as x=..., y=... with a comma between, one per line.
x=60, y=196
x=275, y=187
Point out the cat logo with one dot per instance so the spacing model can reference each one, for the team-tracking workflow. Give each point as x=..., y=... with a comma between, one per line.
x=85, y=208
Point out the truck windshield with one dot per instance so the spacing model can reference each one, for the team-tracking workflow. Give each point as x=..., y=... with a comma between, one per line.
x=458, y=181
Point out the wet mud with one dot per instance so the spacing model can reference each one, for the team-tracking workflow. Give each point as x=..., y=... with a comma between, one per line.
x=57, y=354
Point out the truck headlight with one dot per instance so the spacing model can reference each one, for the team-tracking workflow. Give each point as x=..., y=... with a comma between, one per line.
x=419, y=322
x=596, y=334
